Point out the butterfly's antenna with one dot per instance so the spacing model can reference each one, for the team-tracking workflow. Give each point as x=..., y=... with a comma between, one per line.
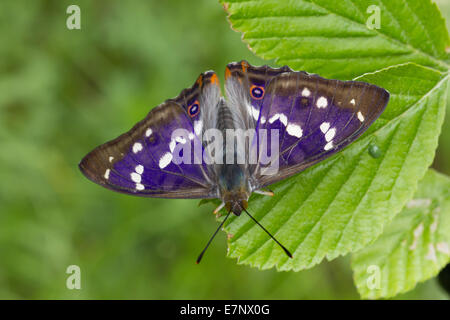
x=282, y=247
x=207, y=245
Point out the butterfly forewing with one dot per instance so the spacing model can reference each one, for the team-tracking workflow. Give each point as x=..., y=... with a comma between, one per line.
x=140, y=162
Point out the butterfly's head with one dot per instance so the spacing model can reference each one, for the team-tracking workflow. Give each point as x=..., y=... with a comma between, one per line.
x=236, y=204
x=236, y=201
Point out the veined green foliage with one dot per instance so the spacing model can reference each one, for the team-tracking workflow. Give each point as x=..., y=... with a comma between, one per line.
x=342, y=39
x=342, y=204
x=413, y=248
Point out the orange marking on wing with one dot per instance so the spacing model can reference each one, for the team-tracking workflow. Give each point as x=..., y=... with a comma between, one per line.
x=193, y=113
x=227, y=73
x=200, y=80
x=244, y=66
x=257, y=87
x=215, y=79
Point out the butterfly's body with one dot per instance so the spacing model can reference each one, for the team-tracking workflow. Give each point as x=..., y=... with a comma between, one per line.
x=233, y=178
x=310, y=118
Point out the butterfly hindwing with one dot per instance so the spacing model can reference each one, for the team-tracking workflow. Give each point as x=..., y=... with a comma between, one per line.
x=140, y=162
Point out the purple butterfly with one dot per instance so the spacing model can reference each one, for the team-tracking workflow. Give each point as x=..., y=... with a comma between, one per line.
x=298, y=119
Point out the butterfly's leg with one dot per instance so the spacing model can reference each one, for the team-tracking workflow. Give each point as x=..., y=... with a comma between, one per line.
x=266, y=192
x=219, y=208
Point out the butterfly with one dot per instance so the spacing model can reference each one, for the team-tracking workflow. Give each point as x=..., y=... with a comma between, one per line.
x=305, y=117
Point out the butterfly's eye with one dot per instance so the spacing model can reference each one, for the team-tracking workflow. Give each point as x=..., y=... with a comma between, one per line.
x=257, y=92
x=193, y=109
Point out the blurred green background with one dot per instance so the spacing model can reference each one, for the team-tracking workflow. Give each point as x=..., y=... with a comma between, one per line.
x=63, y=92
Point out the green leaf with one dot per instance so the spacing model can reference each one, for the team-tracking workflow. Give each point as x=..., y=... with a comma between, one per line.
x=343, y=203
x=413, y=248
x=215, y=202
x=332, y=38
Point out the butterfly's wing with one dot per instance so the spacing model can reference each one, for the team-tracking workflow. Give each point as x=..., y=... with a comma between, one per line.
x=315, y=117
x=139, y=162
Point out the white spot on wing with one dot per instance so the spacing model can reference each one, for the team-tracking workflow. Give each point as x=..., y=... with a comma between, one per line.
x=253, y=111
x=111, y=159
x=137, y=147
x=274, y=118
x=139, y=169
x=322, y=102
x=279, y=116
x=172, y=145
x=360, y=116
x=330, y=134
x=294, y=130
x=324, y=127
x=306, y=92
x=165, y=160
x=107, y=174
x=352, y=102
x=149, y=132
x=139, y=186
x=328, y=146
x=136, y=177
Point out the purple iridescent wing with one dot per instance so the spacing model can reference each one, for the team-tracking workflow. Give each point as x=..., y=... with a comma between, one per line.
x=314, y=117
x=140, y=161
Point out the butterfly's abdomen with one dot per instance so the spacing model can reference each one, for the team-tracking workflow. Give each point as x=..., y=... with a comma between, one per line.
x=225, y=118
x=225, y=122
